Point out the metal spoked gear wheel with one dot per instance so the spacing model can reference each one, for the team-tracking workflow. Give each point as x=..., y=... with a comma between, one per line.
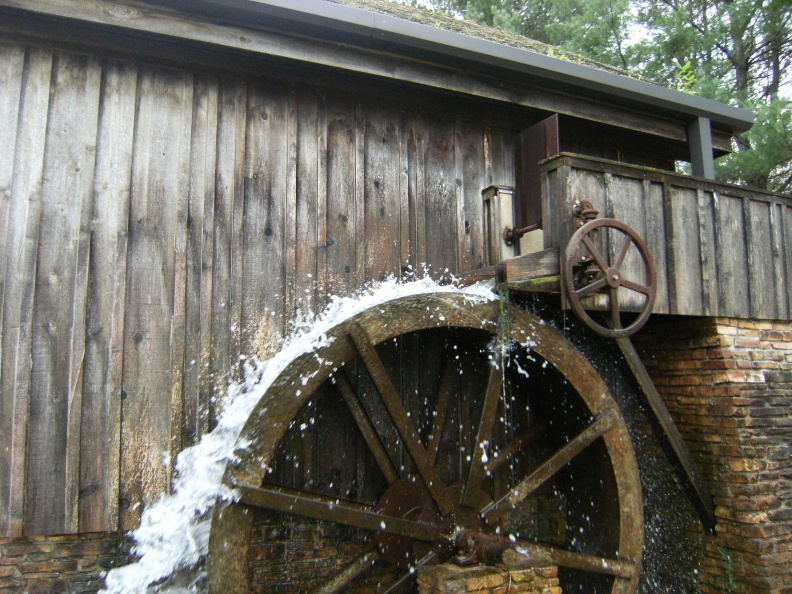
x=587, y=271
x=461, y=431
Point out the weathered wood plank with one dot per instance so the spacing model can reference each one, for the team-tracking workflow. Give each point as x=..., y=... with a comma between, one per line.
x=382, y=195
x=709, y=271
x=101, y=407
x=227, y=231
x=199, y=259
x=339, y=249
x=687, y=252
x=12, y=64
x=761, y=277
x=306, y=224
x=786, y=226
x=530, y=266
x=58, y=335
x=655, y=238
x=359, y=269
x=320, y=287
x=440, y=198
x=290, y=295
x=12, y=69
x=780, y=277
x=471, y=180
x=23, y=224
x=730, y=255
x=627, y=203
x=405, y=134
x=179, y=202
x=159, y=169
x=418, y=188
x=263, y=255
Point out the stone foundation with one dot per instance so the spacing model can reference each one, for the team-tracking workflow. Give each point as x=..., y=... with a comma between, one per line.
x=728, y=385
x=481, y=579
x=49, y=564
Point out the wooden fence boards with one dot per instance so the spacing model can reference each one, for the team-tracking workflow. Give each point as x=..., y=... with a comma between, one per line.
x=58, y=338
x=12, y=63
x=341, y=224
x=731, y=259
x=439, y=196
x=102, y=385
x=176, y=211
x=153, y=334
x=719, y=250
x=22, y=248
x=227, y=256
x=655, y=238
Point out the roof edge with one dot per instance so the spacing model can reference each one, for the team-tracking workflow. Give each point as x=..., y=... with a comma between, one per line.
x=386, y=29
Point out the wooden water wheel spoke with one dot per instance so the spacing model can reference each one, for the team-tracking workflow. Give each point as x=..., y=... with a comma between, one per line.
x=478, y=460
x=536, y=479
x=352, y=571
x=505, y=453
x=409, y=576
x=592, y=288
x=367, y=428
x=531, y=553
x=333, y=510
x=438, y=424
x=401, y=419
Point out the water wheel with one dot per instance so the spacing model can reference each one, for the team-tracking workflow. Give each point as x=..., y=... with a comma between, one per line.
x=434, y=415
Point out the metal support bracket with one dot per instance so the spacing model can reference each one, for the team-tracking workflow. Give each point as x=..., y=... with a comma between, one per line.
x=702, y=499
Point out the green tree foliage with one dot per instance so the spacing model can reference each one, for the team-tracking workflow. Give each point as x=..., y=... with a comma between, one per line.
x=593, y=28
x=735, y=51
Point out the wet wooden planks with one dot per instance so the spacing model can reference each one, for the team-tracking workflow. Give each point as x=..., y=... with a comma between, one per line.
x=719, y=250
x=157, y=224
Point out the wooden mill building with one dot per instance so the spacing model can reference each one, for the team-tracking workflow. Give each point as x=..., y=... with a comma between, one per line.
x=178, y=179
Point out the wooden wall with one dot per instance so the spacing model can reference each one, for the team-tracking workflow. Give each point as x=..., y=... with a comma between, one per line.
x=719, y=250
x=154, y=223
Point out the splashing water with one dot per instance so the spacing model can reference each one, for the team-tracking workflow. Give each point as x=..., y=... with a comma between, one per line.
x=174, y=532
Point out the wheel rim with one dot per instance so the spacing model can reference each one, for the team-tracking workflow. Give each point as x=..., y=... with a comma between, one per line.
x=443, y=506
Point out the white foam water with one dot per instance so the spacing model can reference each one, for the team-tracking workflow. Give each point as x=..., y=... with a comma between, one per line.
x=174, y=532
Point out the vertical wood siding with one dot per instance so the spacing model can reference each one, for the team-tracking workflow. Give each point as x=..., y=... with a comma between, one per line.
x=155, y=224
x=718, y=250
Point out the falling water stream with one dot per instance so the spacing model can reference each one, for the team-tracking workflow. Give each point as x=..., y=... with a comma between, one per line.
x=173, y=535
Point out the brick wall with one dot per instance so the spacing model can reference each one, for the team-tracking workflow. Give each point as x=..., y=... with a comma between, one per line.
x=452, y=579
x=728, y=385
x=48, y=564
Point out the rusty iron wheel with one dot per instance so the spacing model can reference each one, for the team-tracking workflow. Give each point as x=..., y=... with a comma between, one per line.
x=584, y=260
x=543, y=420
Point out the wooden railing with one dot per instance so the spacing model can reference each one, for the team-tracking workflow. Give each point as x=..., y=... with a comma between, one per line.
x=719, y=249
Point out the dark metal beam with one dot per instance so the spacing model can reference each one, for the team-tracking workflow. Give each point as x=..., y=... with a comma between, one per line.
x=700, y=140
x=702, y=499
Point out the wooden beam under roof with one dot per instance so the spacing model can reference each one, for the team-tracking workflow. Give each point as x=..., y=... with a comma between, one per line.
x=158, y=31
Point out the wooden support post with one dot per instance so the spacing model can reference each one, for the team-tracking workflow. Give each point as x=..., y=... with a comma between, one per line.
x=498, y=214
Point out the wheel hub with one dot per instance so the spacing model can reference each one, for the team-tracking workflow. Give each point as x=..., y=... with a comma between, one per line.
x=408, y=498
